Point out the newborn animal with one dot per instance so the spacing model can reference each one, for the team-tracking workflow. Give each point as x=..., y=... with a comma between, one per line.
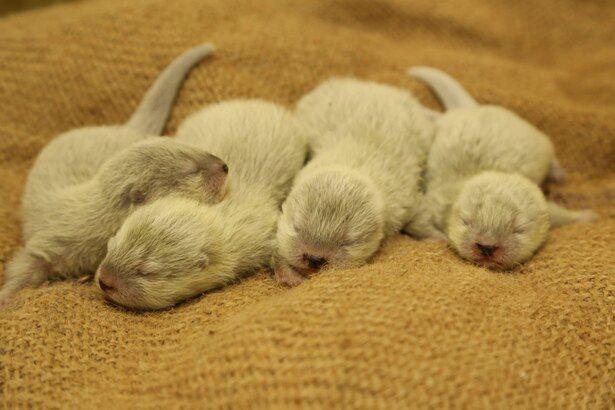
x=370, y=143
x=176, y=248
x=482, y=175
x=87, y=181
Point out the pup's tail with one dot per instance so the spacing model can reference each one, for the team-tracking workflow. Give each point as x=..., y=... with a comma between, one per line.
x=153, y=111
x=559, y=215
x=448, y=90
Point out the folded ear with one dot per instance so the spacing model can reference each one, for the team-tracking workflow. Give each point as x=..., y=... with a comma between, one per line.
x=559, y=215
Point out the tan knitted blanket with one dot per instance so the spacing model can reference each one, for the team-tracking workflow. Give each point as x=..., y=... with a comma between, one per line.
x=418, y=327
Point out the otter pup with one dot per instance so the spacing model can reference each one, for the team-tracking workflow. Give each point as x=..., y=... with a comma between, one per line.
x=370, y=143
x=482, y=175
x=87, y=181
x=175, y=248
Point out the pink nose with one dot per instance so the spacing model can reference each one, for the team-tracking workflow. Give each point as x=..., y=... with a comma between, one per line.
x=106, y=281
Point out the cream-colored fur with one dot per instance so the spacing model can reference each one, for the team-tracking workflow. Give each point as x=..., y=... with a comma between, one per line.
x=369, y=143
x=86, y=181
x=504, y=210
x=504, y=140
x=471, y=203
x=175, y=248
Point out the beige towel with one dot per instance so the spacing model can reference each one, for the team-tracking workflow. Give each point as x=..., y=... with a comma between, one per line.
x=418, y=326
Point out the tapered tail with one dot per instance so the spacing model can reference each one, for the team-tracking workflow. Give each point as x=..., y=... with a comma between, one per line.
x=448, y=90
x=152, y=113
x=559, y=215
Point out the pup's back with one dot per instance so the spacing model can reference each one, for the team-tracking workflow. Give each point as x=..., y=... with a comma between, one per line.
x=378, y=130
x=261, y=142
x=368, y=110
x=488, y=138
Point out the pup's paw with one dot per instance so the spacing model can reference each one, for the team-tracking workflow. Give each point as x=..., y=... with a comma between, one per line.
x=587, y=216
x=287, y=276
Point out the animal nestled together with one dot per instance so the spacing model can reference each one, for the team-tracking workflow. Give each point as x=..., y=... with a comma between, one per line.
x=247, y=183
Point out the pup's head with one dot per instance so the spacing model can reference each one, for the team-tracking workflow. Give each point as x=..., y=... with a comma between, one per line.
x=164, y=253
x=330, y=218
x=160, y=166
x=498, y=220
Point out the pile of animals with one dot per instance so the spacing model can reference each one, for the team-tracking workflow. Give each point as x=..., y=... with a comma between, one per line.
x=247, y=184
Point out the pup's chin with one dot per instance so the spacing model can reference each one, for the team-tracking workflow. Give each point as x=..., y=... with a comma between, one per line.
x=126, y=298
x=490, y=263
x=493, y=263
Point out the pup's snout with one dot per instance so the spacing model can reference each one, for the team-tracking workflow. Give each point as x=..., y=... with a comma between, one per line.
x=314, y=262
x=486, y=250
x=106, y=281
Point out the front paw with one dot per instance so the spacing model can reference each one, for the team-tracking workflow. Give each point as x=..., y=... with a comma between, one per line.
x=288, y=276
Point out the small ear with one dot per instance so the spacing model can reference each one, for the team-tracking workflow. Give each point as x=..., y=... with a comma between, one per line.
x=560, y=216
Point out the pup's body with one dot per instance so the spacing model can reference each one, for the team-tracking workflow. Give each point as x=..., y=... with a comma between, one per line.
x=475, y=139
x=86, y=181
x=499, y=218
x=490, y=137
x=369, y=143
x=175, y=248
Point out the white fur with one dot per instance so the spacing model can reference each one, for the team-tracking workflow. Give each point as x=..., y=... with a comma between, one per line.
x=501, y=129
x=449, y=91
x=175, y=248
x=473, y=204
x=86, y=181
x=369, y=143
